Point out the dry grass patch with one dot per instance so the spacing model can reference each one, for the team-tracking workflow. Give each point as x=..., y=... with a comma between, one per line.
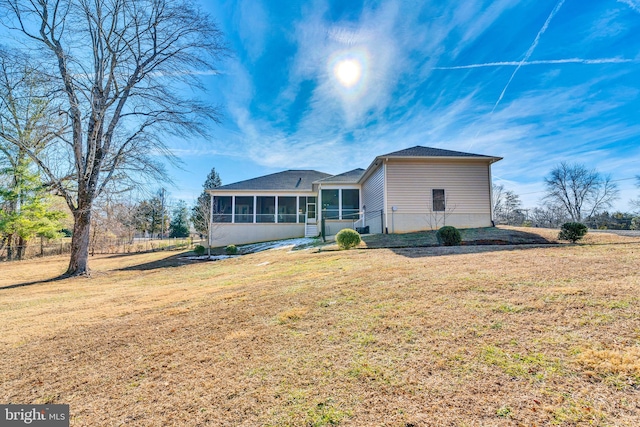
x=291, y=315
x=617, y=367
x=424, y=337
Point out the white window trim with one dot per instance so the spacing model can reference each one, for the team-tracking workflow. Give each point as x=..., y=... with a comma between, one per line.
x=444, y=194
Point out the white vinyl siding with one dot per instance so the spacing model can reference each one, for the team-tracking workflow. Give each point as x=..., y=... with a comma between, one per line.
x=373, y=199
x=410, y=185
x=373, y=191
x=466, y=185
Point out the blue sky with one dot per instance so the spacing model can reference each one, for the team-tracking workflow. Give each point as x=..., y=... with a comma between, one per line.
x=328, y=85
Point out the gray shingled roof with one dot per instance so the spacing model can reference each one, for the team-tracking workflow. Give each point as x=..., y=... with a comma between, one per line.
x=351, y=177
x=419, y=151
x=294, y=180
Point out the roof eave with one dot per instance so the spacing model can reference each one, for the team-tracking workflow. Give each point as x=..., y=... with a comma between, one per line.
x=369, y=170
x=282, y=190
x=336, y=182
x=491, y=158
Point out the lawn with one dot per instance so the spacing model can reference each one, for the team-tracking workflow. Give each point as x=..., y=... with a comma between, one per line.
x=505, y=335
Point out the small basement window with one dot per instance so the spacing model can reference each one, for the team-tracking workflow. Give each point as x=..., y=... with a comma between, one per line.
x=437, y=196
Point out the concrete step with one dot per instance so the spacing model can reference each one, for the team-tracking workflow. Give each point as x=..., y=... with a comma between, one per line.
x=311, y=230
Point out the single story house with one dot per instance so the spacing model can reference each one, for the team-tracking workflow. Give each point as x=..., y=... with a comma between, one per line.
x=419, y=188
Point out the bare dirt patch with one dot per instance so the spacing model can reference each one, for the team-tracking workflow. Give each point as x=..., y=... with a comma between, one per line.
x=544, y=335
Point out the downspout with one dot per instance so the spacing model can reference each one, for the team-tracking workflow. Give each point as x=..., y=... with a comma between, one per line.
x=493, y=224
x=384, y=196
x=319, y=215
x=209, y=234
x=319, y=204
x=364, y=222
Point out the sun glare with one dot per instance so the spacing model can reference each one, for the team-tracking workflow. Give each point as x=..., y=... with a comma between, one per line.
x=348, y=72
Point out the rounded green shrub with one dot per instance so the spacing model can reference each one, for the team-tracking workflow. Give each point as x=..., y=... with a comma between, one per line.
x=449, y=236
x=199, y=250
x=348, y=238
x=572, y=231
x=231, y=250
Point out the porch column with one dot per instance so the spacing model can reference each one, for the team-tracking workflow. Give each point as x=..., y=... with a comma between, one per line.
x=319, y=205
x=210, y=228
x=233, y=209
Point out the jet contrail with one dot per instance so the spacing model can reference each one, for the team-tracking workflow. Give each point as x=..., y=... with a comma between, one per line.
x=633, y=5
x=530, y=50
x=541, y=62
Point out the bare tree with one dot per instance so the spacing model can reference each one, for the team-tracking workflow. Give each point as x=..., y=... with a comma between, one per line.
x=552, y=215
x=117, y=65
x=112, y=219
x=437, y=218
x=582, y=192
x=210, y=219
x=507, y=206
x=201, y=212
x=635, y=203
x=497, y=193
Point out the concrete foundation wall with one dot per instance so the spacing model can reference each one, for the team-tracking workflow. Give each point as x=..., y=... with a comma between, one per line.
x=331, y=227
x=405, y=223
x=239, y=234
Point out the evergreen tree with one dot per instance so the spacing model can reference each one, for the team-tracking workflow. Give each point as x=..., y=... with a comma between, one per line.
x=201, y=212
x=27, y=210
x=179, y=225
x=149, y=216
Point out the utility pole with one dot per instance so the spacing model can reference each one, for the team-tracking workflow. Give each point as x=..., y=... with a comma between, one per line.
x=162, y=220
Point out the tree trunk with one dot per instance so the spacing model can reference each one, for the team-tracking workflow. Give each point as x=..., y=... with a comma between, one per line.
x=9, y=247
x=78, y=265
x=22, y=248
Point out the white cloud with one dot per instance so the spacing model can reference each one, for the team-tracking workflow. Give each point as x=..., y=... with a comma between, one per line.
x=253, y=25
x=478, y=19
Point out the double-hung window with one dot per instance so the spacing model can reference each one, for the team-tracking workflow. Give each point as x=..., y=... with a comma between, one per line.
x=437, y=196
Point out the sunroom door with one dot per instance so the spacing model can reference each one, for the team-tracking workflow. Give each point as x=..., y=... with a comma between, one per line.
x=311, y=213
